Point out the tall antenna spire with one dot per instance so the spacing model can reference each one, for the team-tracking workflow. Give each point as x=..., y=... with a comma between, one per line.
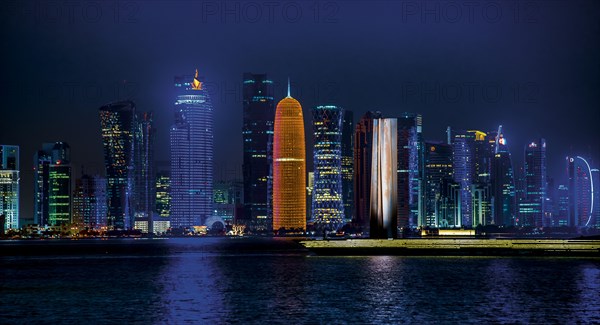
x=289, y=87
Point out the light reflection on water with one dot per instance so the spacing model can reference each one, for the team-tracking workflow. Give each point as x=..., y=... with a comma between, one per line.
x=214, y=281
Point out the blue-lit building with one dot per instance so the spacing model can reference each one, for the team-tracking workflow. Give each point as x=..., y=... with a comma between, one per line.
x=118, y=122
x=9, y=185
x=257, y=133
x=532, y=205
x=327, y=203
x=144, y=174
x=191, y=154
x=438, y=171
x=410, y=170
x=89, y=201
x=581, y=192
x=503, y=183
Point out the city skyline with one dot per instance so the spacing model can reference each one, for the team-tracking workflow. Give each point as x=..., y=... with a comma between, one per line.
x=430, y=65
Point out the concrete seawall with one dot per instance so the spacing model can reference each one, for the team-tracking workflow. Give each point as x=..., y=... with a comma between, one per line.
x=456, y=247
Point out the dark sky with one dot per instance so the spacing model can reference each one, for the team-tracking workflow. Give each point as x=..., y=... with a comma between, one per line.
x=530, y=65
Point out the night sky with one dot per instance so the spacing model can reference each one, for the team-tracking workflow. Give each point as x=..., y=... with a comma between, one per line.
x=532, y=66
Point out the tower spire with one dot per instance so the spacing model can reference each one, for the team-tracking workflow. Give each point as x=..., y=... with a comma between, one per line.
x=289, y=92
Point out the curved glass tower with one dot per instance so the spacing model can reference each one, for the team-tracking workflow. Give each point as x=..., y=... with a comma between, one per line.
x=118, y=122
x=289, y=166
x=191, y=154
x=327, y=204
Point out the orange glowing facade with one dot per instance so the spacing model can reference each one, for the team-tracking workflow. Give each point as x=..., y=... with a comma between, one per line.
x=289, y=167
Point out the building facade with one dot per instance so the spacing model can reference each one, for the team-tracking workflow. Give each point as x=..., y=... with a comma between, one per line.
x=289, y=167
x=438, y=169
x=410, y=170
x=348, y=164
x=383, y=209
x=532, y=207
x=327, y=201
x=89, y=202
x=118, y=128
x=363, y=150
x=257, y=134
x=9, y=186
x=191, y=154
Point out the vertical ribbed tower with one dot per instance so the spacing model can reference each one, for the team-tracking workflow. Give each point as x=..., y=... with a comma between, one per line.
x=384, y=187
x=289, y=166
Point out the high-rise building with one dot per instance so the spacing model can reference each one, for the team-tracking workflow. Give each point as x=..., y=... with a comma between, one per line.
x=59, y=185
x=449, y=208
x=363, y=150
x=596, y=210
x=289, y=166
x=257, y=133
x=532, y=207
x=163, y=194
x=561, y=216
x=348, y=164
x=481, y=209
x=327, y=203
x=228, y=200
x=438, y=168
x=581, y=192
x=503, y=184
x=9, y=185
x=191, y=154
x=41, y=169
x=145, y=184
x=89, y=201
x=410, y=170
x=118, y=121
x=383, y=210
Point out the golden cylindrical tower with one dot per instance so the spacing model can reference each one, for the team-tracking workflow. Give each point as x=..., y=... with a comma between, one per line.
x=289, y=167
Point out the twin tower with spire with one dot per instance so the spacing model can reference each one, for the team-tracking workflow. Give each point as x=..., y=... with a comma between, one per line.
x=289, y=167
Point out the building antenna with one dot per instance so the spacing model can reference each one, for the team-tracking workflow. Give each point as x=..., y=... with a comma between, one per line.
x=289, y=87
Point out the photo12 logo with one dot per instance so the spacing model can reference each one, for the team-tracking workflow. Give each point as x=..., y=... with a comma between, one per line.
x=74, y=12
x=271, y=12
x=470, y=12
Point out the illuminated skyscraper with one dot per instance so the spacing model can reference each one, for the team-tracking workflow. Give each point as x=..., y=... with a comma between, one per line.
x=363, y=150
x=562, y=207
x=581, y=192
x=532, y=207
x=41, y=169
x=163, y=194
x=257, y=133
x=410, y=170
x=9, y=185
x=438, y=168
x=327, y=204
x=289, y=166
x=503, y=184
x=191, y=154
x=59, y=185
x=118, y=127
x=348, y=164
x=89, y=201
x=383, y=210
x=145, y=185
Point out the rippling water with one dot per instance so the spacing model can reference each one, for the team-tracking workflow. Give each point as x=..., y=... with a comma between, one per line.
x=223, y=280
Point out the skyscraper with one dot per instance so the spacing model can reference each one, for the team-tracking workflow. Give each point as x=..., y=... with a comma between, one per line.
x=363, y=150
x=118, y=127
x=59, y=185
x=41, y=171
x=503, y=184
x=191, y=154
x=383, y=210
x=257, y=133
x=289, y=166
x=410, y=170
x=89, y=201
x=163, y=194
x=581, y=192
x=327, y=204
x=348, y=164
x=145, y=185
x=531, y=209
x=438, y=168
x=9, y=185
